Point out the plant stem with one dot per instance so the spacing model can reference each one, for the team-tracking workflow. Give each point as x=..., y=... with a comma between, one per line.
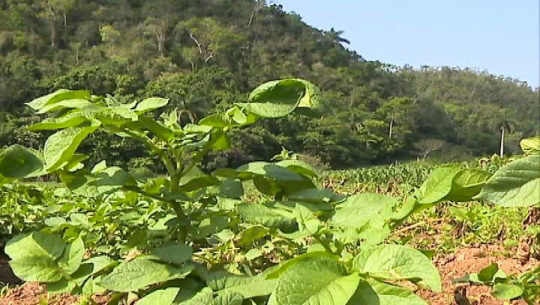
x=153, y=147
x=323, y=243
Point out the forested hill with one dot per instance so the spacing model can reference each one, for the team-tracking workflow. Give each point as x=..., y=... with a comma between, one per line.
x=207, y=54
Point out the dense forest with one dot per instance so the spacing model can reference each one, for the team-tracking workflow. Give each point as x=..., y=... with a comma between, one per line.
x=208, y=54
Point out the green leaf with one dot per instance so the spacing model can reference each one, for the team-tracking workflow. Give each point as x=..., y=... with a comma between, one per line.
x=56, y=97
x=299, y=167
x=397, y=262
x=162, y=297
x=275, y=99
x=249, y=235
x=358, y=210
x=70, y=120
x=438, y=185
x=260, y=214
x=173, y=253
x=68, y=103
x=516, y=184
x=315, y=281
x=141, y=273
x=487, y=274
x=308, y=223
x=378, y=293
x=314, y=196
x=506, y=291
x=231, y=188
x=209, y=226
x=150, y=104
x=531, y=146
x=34, y=256
x=284, y=266
x=247, y=286
x=61, y=146
x=467, y=184
x=72, y=257
x=270, y=170
x=19, y=162
x=156, y=128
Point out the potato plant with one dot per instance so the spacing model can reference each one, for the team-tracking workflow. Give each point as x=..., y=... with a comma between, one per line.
x=318, y=247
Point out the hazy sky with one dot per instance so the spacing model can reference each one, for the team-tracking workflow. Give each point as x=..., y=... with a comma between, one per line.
x=500, y=36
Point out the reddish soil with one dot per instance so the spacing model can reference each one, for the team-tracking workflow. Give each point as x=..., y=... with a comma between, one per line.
x=464, y=261
x=472, y=260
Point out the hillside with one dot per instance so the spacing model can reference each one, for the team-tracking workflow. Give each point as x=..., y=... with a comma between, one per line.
x=207, y=54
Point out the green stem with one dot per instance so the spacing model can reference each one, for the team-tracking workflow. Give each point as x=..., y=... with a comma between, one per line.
x=323, y=243
x=153, y=147
x=197, y=159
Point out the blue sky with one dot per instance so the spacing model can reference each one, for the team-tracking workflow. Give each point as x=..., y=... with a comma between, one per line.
x=500, y=36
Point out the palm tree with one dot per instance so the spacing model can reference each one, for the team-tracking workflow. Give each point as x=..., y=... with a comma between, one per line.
x=504, y=124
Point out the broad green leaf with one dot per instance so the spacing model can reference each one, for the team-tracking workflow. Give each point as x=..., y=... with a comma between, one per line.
x=397, y=262
x=438, y=185
x=156, y=128
x=270, y=170
x=56, y=97
x=70, y=120
x=531, y=146
x=249, y=235
x=314, y=196
x=219, y=120
x=72, y=257
x=141, y=273
x=208, y=227
x=275, y=99
x=506, y=291
x=36, y=268
x=299, y=167
x=486, y=275
x=467, y=184
x=173, y=253
x=150, y=104
x=162, y=297
x=516, y=184
x=61, y=146
x=358, y=210
x=378, y=293
x=246, y=286
x=68, y=103
x=34, y=256
x=231, y=188
x=260, y=214
x=284, y=266
x=206, y=297
x=36, y=243
x=111, y=179
x=315, y=281
x=308, y=223
x=312, y=102
x=19, y=162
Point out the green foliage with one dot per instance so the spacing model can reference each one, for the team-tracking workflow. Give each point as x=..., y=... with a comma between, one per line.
x=206, y=206
x=516, y=184
x=329, y=248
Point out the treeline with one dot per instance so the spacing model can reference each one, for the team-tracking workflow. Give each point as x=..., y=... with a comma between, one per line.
x=207, y=54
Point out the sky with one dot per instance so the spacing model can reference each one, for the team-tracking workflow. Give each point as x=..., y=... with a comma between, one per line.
x=498, y=36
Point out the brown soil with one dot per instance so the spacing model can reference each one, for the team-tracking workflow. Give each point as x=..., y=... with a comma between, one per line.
x=452, y=266
x=472, y=260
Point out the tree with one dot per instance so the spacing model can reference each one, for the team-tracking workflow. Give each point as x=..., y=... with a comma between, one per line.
x=503, y=122
x=427, y=146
